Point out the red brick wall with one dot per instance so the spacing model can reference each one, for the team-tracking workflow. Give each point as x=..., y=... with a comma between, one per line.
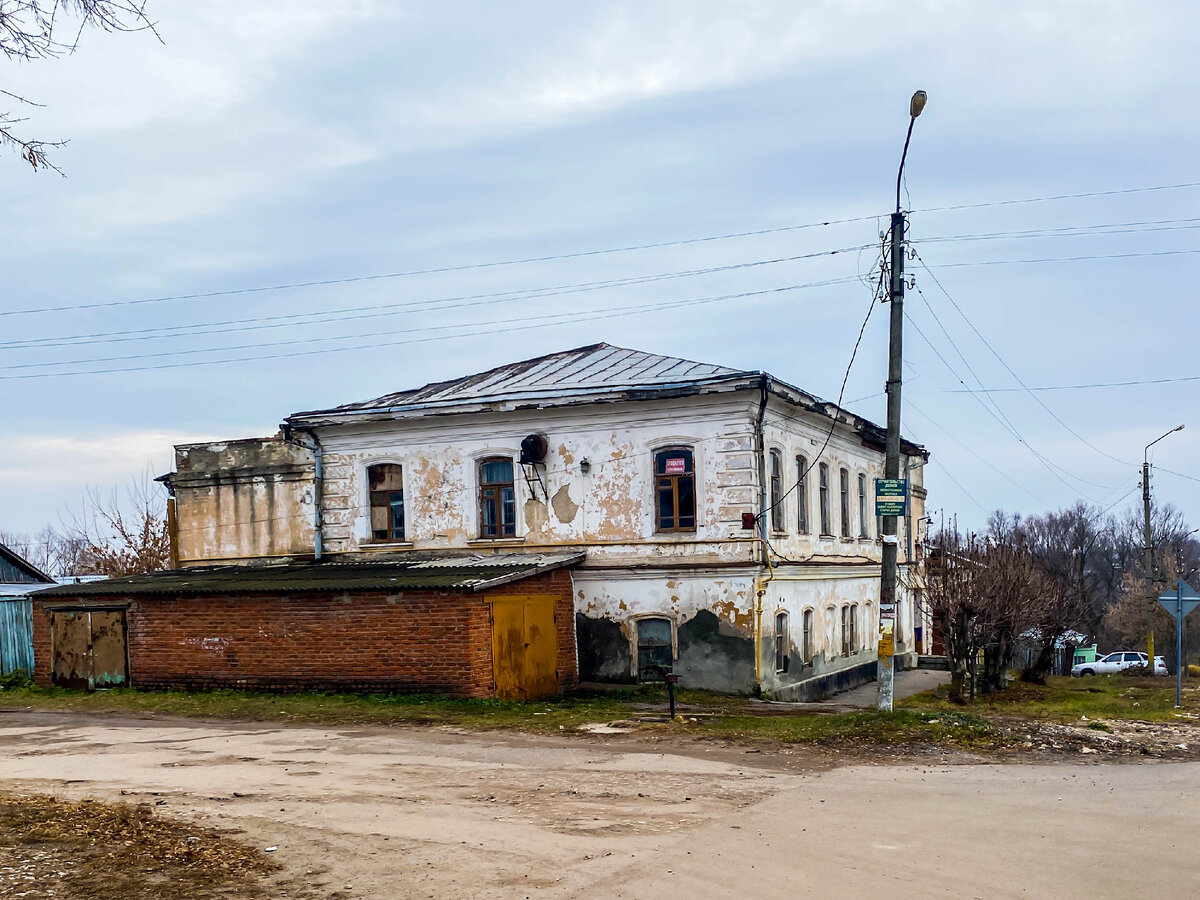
x=416, y=641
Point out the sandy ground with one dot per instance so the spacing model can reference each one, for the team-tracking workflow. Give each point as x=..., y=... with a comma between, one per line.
x=398, y=812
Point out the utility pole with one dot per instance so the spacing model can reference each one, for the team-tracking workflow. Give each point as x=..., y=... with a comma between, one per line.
x=891, y=464
x=1148, y=549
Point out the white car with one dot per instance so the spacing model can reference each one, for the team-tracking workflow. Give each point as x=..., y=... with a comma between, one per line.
x=1117, y=662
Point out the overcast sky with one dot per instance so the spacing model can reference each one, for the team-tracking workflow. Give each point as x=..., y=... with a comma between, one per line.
x=281, y=142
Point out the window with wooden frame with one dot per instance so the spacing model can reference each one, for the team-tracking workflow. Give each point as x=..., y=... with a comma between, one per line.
x=801, y=495
x=863, y=522
x=674, y=490
x=853, y=641
x=497, y=498
x=781, y=642
x=776, y=491
x=846, y=630
x=806, y=645
x=844, y=485
x=385, y=483
x=823, y=485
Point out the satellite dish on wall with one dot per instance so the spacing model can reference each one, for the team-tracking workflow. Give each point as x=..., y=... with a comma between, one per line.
x=534, y=449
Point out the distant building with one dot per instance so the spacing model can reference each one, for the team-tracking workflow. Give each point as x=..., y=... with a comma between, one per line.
x=715, y=522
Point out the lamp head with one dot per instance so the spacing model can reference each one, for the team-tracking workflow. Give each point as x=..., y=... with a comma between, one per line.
x=1180, y=428
x=917, y=103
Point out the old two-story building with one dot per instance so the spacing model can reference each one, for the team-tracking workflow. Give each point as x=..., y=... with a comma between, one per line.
x=714, y=522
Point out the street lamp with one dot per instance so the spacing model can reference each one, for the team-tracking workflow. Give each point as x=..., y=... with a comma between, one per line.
x=891, y=463
x=1148, y=548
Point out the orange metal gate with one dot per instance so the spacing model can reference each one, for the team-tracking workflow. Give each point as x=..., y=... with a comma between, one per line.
x=524, y=647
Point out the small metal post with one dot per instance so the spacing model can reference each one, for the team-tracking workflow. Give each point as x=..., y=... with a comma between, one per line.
x=1178, y=643
x=671, y=679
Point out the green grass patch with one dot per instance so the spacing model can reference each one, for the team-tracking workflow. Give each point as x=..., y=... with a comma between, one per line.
x=1064, y=699
x=867, y=728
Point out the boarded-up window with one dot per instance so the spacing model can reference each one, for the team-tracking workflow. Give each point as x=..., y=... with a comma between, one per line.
x=386, y=482
x=497, y=498
x=802, y=495
x=776, y=491
x=863, y=527
x=823, y=476
x=844, y=484
x=675, y=490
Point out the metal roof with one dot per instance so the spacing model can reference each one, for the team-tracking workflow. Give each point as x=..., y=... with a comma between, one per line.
x=596, y=368
x=14, y=566
x=451, y=573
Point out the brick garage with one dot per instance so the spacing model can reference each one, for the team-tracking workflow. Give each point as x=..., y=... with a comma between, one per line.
x=421, y=626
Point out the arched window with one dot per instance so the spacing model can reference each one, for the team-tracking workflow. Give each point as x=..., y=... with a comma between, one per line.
x=801, y=495
x=823, y=479
x=853, y=641
x=497, y=498
x=844, y=484
x=675, y=490
x=870, y=626
x=781, y=642
x=806, y=647
x=385, y=483
x=846, y=630
x=863, y=527
x=776, y=491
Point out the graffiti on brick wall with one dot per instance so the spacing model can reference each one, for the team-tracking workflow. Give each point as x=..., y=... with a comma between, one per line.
x=217, y=645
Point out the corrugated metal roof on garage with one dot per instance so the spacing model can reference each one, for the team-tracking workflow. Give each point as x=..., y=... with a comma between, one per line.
x=596, y=367
x=456, y=573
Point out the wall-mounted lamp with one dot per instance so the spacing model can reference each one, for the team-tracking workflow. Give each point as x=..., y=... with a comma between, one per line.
x=585, y=466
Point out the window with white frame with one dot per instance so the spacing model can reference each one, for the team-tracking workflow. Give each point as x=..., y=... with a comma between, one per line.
x=801, y=495
x=781, y=642
x=844, y=485
x=863, y=526
x=806, y=646
x=823, y=486
x=385, y=486
x=776, y=492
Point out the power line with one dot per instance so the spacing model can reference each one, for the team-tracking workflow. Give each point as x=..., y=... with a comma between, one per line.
x=1061, y=387
x=1112, y=193
x=945, y=471
x=1007, y=426
x=1159, y=225
x=432, y=271
x=401, y=308
x=1009, y=368
x=524, y=324
x=1046, y=259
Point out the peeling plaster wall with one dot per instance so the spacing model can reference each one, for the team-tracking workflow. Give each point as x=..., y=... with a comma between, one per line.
x=610, y=506
x=240, y=500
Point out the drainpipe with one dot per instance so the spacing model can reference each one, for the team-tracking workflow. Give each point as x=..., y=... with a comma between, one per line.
x=760, y=585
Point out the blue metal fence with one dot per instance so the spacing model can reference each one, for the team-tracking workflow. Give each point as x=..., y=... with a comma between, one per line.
x=16, y=635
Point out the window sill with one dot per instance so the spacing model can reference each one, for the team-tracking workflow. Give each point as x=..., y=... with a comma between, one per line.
x=385, y=545
x=496, y=540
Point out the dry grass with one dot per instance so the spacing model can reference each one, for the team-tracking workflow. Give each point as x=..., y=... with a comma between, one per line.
x=117, y=851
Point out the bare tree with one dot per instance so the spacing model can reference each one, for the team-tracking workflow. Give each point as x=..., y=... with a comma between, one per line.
x=51, y=550
x=122, y=535
x=44, y=29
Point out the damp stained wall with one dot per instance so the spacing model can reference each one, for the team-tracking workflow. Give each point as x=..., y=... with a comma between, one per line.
x=243, y=500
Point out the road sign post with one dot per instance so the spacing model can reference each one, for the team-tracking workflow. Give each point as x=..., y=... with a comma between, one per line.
x=1179, y=601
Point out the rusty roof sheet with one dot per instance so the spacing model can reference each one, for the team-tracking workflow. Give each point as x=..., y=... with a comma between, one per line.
x=455, y=573
x=584, y=370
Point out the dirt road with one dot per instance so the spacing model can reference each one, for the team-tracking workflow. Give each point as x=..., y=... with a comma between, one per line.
x=397, y=813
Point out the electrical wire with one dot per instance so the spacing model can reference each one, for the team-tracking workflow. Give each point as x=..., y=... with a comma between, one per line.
x=524, y=323
x=390, y=309
x=1048, y=259
x=1009, y=368
x=940, y=464
x=431, y=271
x=1112, y=193
x=1060, y=387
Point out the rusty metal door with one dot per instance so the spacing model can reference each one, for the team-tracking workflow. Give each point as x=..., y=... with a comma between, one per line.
x=88, y=648
x=524, y=647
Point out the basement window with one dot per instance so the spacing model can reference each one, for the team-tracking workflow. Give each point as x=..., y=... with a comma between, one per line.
x=675, y=490
x=806, y=646
x=386, y=484
x=781, y=641
x=497, y=498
